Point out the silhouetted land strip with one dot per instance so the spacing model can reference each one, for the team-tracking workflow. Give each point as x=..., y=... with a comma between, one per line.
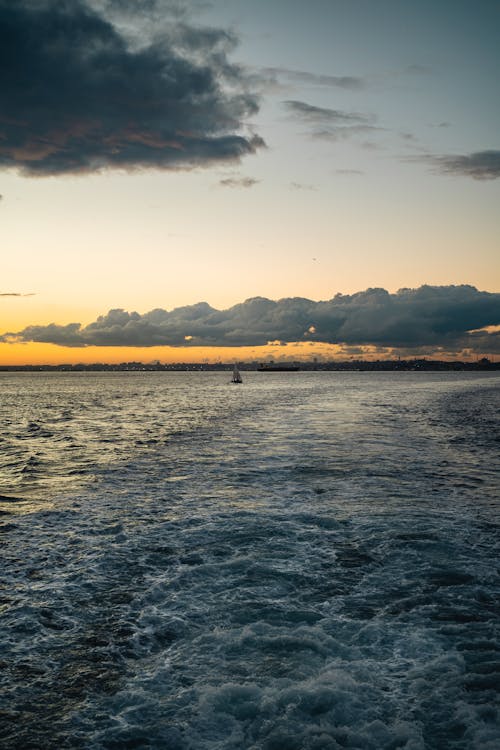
x=388, y=365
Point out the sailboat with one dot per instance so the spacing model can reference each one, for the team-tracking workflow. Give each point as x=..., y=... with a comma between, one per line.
x=236, y=375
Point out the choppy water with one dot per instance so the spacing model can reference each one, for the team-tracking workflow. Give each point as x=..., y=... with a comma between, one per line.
x=306, y=561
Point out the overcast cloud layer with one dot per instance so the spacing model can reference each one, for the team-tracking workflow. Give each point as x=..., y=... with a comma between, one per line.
x=446, y=316
x=79, y=94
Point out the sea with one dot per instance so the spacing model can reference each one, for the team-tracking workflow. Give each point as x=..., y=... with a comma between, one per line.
x=305, y=561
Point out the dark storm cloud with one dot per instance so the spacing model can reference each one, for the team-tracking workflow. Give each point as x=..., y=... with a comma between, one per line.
x=78, y=97
x=316, y=79
x=330, y=124
x=448, y=317
x=481, y=165
x=175, y=8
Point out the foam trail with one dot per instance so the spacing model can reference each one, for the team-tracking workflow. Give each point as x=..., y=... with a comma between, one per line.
x=307, y=563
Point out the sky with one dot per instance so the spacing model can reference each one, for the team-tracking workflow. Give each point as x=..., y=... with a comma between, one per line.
x=247, y=180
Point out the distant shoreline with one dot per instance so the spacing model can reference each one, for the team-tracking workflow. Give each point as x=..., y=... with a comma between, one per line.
x=414, y=365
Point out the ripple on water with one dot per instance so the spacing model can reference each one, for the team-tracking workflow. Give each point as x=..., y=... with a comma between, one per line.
x=268, y=578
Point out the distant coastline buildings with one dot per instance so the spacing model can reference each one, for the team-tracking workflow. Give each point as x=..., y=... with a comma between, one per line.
x=386, y=365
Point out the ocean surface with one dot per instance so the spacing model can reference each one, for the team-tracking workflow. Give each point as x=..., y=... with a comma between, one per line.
x=306, y=561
